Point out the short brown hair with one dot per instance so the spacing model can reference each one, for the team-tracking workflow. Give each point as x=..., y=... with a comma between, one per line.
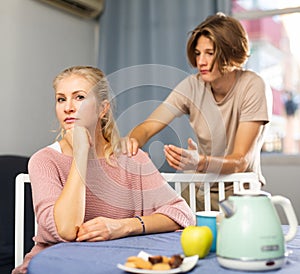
x=229, y=40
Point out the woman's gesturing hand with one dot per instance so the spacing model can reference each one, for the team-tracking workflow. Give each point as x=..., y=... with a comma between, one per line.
x=183, y=159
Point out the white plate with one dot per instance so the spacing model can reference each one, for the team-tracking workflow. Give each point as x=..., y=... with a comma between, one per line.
x=187, y=264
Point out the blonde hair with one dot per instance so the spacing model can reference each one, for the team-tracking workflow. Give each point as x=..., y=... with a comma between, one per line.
x=229, y=40
x=102, y=92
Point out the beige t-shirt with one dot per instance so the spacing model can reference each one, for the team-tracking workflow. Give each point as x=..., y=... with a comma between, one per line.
x=215, y=123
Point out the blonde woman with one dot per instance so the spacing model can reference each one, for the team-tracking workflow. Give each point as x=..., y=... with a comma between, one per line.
x=83, y=189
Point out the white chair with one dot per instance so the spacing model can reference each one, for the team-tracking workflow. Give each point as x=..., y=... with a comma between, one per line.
x=20, y=181
x=238, y=179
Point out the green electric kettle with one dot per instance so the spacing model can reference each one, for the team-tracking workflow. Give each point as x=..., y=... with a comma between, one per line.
x=250, y=235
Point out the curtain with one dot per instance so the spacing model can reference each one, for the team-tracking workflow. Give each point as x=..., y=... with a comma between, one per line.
x=142, y=50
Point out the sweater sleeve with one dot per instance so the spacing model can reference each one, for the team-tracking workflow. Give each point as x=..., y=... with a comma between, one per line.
x=46, y=188
x=160, y=197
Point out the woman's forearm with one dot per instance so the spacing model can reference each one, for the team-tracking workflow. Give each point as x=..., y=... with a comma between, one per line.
x=140, y=134
x=69, y=209
x=158, y=120
x=223, y=165
x=154, y=223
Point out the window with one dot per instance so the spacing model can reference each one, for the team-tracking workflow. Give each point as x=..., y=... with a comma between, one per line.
x=272, y=27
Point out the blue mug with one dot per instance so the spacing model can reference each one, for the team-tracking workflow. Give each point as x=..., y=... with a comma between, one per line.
x=209, y=218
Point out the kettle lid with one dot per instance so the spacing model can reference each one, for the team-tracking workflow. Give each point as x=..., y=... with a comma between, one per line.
x=250, y=192
x=250, y=187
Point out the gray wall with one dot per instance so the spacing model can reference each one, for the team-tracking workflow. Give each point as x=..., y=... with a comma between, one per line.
x=37, y=42
x=282, y=175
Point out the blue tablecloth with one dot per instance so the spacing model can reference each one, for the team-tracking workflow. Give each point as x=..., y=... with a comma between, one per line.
x=103, y=257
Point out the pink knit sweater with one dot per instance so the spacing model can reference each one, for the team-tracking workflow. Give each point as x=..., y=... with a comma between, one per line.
x=132, y=186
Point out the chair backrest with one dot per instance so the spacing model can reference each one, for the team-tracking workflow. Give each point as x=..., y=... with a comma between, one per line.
x=20, y=181
x=238, y=180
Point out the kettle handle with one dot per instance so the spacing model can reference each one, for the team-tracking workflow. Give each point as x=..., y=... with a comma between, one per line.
x=288, y=209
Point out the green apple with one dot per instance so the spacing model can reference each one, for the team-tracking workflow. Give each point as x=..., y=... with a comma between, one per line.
x=196, y=240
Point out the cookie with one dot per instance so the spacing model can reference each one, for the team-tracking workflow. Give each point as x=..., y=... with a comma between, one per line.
x=141, y=263
x=165, y=259
x=175, y=261
x=130, y=264
x=155, y=259
x=161, y=266
x=132, y=258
